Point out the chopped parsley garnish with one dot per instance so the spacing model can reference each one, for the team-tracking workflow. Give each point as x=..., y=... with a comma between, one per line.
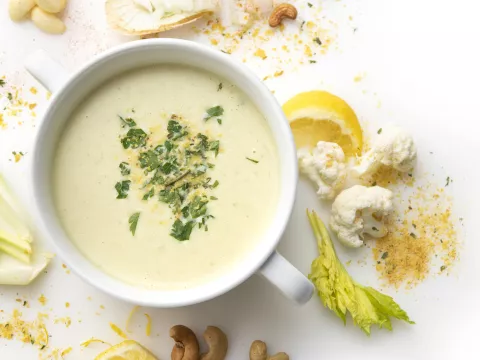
x=2, y=82
x=149, y=160
x=176, y=173
x=124, y=168
x=10, y=96
x=213, y=112
x=214, y=146
x=181, y=231
x=198, y=207
x=122, y=189
x=220, y=86
x=385, y=255
x=175, y=130
x=448, y=181
x=133, y=221
x=134, y=139
x=219, y=121
x=149, y=194
x=252, y=160
x=318, y=41
x=309, y=4
x=413, y=235
x=313, y=61
x=379, y=131
x=127, y=121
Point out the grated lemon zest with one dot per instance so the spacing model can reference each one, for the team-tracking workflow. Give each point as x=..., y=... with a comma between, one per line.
x=148, y=329
x=93, y=340
x=118, y=331
x=129, y=319
x=66, y=351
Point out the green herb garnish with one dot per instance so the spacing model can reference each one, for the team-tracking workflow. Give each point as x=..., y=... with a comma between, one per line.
x=252, y=160
x=133, y=221
x=213, y=112
x=2, y=82
x=198, y=207
x=175, y=130
x=318, y=41
x=379, y=131
x=135, y=138
x=149, y=194
x=220, y=86
x=176, y=173
x=181, y=231
x=122, y=189
x=124, y=168
x=149, y=160
x=127, y=121
x=214, y=146
x=309, y=4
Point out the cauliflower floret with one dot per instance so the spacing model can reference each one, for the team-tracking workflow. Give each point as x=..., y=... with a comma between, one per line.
x=325, y=166
x=393, y=147
x=358, y=211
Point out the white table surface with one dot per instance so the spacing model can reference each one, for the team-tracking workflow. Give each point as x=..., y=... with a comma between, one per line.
x=419, y=61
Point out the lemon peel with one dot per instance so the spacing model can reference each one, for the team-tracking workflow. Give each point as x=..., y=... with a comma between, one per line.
x=321, y=116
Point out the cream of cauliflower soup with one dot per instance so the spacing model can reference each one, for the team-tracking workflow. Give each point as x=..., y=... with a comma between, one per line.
x=166, y=177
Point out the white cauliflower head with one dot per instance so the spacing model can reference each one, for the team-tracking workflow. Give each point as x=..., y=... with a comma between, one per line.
x=359, y=210
x=393, y=147
x=325, y=166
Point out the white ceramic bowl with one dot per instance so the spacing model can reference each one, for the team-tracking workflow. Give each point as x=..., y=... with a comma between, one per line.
x=69, y=91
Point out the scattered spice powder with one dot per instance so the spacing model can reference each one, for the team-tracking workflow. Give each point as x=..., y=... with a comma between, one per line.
x=64, y=320
x=42, y=300
x=31, y=332
x=250, y=33
x=422, y=240
x=260, y=53
x=386, y=177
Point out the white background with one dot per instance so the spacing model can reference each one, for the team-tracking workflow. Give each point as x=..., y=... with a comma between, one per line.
x=420, y=60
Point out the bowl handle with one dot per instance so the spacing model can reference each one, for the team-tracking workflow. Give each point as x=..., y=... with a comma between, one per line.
x=288, y=279
x=50, y=74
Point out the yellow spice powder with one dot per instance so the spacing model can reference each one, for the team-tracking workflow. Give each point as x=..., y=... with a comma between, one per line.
x=425, y=242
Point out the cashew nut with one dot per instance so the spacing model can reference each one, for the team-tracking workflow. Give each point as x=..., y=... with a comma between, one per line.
x=280, y=12
x=258, y=351
x=47, y=22
x=217, y=344
x=51, y=6
x=186, y=343
x=18, y=9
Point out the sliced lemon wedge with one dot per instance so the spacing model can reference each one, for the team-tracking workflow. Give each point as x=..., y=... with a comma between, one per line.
x=320, y=116
x=126, y=350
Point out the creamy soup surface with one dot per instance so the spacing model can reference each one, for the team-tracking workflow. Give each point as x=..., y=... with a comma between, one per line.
x=121, y=190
